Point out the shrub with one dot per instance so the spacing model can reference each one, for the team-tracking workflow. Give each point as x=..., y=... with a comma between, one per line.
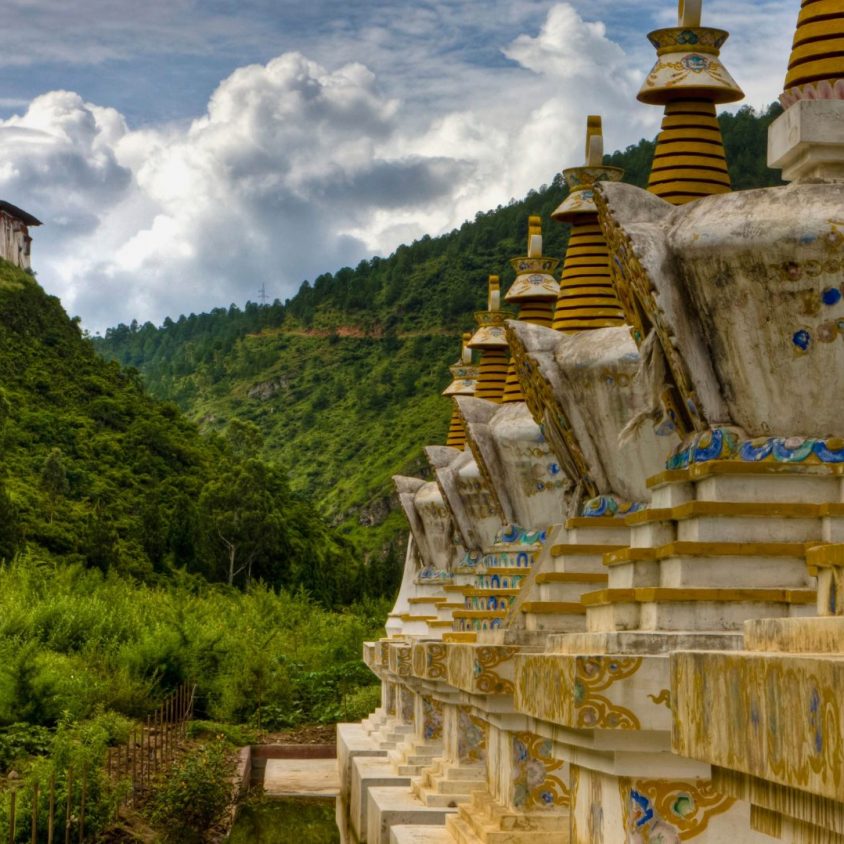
x=194, y=794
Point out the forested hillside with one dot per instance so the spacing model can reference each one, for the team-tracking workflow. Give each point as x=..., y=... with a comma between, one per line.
x=96, y=472
x=343, y=381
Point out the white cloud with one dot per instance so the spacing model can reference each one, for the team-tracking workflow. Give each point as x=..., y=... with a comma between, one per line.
x=299, y=167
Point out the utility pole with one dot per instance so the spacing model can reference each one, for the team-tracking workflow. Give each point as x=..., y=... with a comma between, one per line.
x=262, y=294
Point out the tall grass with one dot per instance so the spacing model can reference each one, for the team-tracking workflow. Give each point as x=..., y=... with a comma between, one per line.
x=75, y=643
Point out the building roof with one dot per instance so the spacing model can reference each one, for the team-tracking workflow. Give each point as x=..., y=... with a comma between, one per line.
x=22, y=215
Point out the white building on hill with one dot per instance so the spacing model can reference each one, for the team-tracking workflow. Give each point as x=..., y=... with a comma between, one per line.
x=15, y=241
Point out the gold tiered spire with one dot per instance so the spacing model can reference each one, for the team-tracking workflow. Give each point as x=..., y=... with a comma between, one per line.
x=689, y=80
x=492, y=342
x=535, y=291
x=587, y=297
x=465, y=378
x=816, y=67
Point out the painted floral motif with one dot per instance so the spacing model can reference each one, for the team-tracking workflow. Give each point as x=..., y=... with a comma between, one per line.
x=408, y=705
x=723, y=444
x=611, y=505
x=514, y=535
x=666, y=812
x=432, y=573
x=436, y=654
x=679, y=71
x=685, y=38
x=596, y=674
x=487, y=680
x=404, y=660
x=472, y=737
x=432, y=713
x=537, y=783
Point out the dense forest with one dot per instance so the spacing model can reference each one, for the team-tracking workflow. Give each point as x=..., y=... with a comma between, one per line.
x=97, y=472
x=343, y=381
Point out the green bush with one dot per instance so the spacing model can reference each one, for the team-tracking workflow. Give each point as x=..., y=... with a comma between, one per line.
x=235, y=735
x=19, y=741
x=194, y=795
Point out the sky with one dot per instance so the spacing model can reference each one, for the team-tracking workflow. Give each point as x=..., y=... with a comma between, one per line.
x=183, y=153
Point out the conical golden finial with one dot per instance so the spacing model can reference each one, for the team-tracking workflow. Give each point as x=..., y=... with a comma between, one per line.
x=587, y=297
x=535, y=291
x=687, y=65
x=464, y=381
x=689, y=80
x=491, y=340
x=816, y=67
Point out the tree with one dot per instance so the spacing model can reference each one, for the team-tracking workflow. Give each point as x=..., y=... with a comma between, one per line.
x=10, y=532
x=241, y=520
x=54, y=478
x=244, y=438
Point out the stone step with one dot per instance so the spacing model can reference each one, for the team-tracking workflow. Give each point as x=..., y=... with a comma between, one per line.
x=408, y=834
x=718, y=521
x=388, y=807
x=710, y=564
x=460, y=831
x=652, y=609
x=468, y=772
x=600, y=530
x=567, y=587
x=426, y=601
x=466, y=787
x=504, y=827
x=446, y=801
x=410, y=769
x=554, y=616
x=714, y=483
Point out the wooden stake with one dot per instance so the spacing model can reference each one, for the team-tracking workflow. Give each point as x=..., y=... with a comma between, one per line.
x=82, y=805
x=51, y=810
x=35, y=813
x=67, y=820
x=13, y=798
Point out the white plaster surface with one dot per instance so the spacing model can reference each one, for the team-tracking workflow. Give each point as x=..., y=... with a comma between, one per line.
x=301, y=778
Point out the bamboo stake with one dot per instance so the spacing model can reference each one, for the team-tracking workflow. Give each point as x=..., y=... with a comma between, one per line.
x=147, y=781
x=67, y=820
x=13, y=797
x=82, y=805
x=34, y=813
x=133, y=754
x=51, y=811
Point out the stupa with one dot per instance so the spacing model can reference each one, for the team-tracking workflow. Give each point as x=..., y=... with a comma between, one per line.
x=665, y=669
x=465, y=377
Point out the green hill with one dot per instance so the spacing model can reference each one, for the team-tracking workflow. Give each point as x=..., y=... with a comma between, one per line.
x=344, y=379
x=97, y=472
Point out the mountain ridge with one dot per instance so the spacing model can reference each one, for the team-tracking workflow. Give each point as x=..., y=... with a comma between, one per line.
x=359, y=357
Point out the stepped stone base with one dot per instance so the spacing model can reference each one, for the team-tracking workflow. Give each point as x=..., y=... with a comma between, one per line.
x=404, y=834
x=353, y=741
x=366, y=774
x=484, y=821
x=388, y=807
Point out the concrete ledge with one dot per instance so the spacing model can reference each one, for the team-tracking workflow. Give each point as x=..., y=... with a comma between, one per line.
x=405, y=834
x=368, y=773
x=390, y=807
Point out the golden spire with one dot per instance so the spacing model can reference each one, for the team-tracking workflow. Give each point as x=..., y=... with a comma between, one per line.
x=689, y=80
x=492, y=342
x=816, y=67
x=464, y=377
x=587, y=297
x=535, y=291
